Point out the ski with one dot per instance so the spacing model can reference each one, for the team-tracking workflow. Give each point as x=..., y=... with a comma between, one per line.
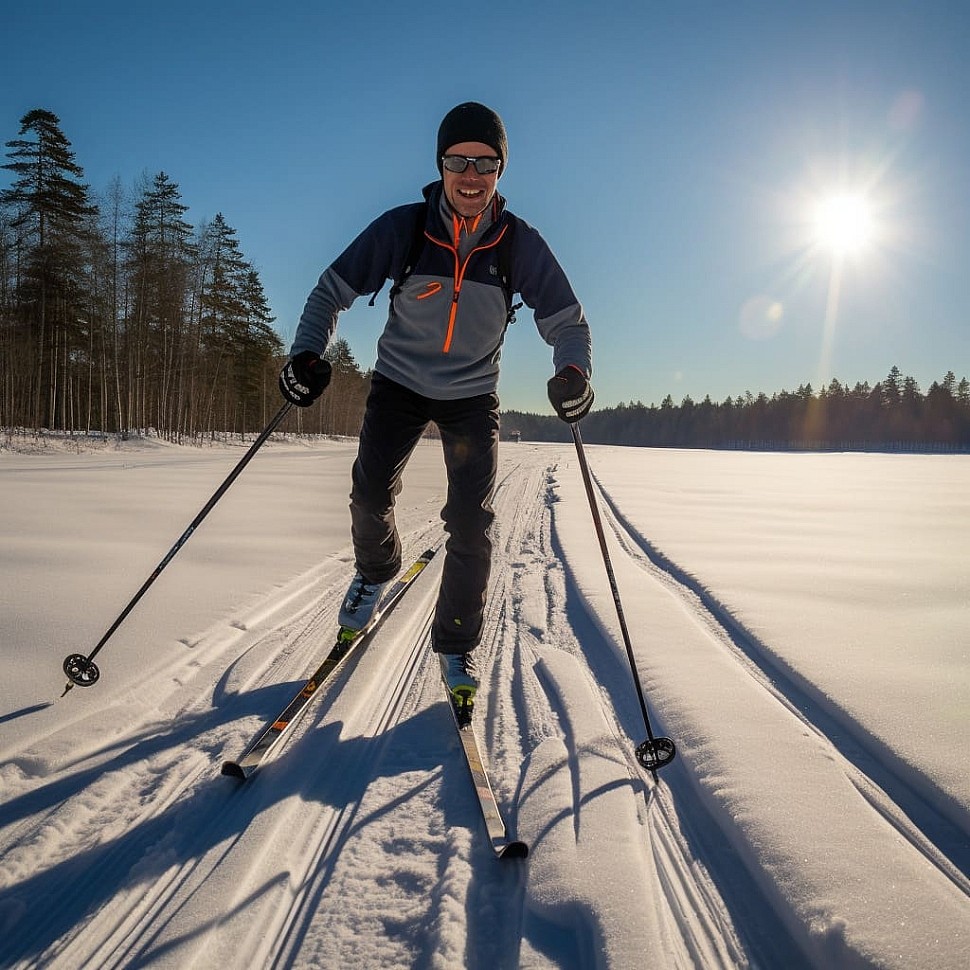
x=346, y=643
x=503, y=846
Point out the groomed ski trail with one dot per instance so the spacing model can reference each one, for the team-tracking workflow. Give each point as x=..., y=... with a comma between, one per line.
x=712, y=683
x=360, y=842
x=581, y=779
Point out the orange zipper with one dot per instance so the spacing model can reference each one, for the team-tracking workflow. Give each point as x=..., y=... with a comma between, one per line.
x=459, y=279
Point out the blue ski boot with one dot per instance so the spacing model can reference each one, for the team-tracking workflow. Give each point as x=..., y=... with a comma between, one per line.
x=360, y=603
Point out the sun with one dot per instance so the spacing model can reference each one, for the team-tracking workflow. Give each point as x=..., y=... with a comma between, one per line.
x=844, y=223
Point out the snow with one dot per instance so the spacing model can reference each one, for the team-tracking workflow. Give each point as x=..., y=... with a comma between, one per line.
x=800, y=624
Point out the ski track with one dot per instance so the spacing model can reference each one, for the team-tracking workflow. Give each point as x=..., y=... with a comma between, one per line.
x=197, y=870
x=582, y=778
x=903, y=799
x=895, y=791
x=296, y=915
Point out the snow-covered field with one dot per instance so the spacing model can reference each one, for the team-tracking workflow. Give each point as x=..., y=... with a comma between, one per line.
x=802, y=627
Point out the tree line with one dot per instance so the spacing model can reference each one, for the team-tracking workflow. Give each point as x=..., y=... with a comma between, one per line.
x=893, y=414
x=119, y=316
x=116, y=314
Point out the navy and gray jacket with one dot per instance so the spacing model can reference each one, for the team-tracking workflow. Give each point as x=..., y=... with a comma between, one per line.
x=445, y=326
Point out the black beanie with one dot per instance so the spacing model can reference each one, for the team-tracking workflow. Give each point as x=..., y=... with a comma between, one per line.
x=472, y=121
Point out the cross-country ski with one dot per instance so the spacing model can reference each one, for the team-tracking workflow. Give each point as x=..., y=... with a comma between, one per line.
x=347, y=642
x=503, y=846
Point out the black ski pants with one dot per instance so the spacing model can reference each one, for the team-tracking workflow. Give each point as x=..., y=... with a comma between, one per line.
x=394, y=421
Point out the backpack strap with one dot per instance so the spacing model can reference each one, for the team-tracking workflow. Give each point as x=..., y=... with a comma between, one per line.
x=504, y=260
x=503, y=255
x=413, y=254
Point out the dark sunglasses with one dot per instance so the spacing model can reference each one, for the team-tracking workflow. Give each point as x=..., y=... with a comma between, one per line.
x=484, y=164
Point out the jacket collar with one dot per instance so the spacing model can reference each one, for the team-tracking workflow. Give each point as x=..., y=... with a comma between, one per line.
x=440, y=212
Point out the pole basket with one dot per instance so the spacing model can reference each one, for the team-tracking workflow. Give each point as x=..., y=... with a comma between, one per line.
x=80, y=670
x=655, y=753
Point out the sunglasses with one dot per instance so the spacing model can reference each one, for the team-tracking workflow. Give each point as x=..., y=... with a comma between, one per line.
x=484, y=164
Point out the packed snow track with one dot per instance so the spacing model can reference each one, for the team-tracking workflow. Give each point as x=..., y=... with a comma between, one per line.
x=793, y=830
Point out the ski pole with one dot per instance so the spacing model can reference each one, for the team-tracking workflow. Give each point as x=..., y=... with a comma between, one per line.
x=82, y=670
x=655, y=752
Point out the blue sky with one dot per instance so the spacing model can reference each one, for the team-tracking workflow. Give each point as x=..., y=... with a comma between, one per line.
x=671, y=154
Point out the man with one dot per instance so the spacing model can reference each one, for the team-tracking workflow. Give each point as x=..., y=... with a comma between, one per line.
x=438, y=360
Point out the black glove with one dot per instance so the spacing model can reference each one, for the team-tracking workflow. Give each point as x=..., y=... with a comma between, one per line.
x=570, y=394
x=304, y=378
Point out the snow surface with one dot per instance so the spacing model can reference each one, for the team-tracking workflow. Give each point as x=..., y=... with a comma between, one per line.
x=801, y=626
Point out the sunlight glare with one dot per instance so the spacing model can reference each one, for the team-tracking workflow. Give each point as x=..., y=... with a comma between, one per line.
x=844, y=223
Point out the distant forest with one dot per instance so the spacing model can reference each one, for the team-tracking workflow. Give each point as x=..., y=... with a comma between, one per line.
x=117, y=316
x=891, y=415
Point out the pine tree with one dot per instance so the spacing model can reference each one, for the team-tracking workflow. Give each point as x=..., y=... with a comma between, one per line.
x=341, y=409
x=10, y=378
x=235, y=334
x=223, y=316
x=160, y=259
x=257, y=359
x=50, y=217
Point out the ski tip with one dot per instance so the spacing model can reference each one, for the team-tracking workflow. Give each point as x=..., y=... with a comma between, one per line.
x=513, y=850
x=233, y=770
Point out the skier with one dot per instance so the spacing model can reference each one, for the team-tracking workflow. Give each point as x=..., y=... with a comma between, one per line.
x=456, y=259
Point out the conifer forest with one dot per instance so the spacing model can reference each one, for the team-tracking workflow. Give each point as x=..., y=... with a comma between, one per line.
x=118, y=316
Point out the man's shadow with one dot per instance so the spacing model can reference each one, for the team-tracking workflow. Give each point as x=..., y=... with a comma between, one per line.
x=319, y=766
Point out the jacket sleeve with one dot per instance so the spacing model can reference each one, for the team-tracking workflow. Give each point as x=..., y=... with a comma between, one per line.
x=363, y=267
x=559, y=316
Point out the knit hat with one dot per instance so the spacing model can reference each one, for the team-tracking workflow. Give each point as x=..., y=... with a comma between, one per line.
x=472, y=121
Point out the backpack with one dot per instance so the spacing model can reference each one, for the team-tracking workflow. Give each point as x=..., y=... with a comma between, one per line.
x=503, y=254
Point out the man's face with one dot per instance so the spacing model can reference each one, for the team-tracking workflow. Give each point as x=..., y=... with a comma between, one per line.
x=467, y=192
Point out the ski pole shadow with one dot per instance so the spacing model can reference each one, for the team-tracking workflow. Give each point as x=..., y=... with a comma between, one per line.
x=150, y=740
x=24, y=712
x=154, y=855
x=39, y=908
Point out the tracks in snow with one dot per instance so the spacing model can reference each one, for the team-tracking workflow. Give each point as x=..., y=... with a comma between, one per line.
x=583, y=802
x=894, y=790
x=141, y=808
x=750, y=735
x=355, y=845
